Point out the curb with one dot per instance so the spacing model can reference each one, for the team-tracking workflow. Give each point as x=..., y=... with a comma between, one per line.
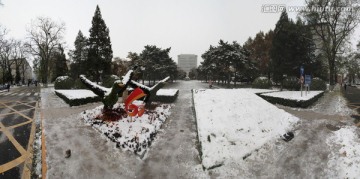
x=43, y=148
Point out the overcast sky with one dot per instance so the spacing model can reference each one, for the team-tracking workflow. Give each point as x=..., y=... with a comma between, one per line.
x=187, y=26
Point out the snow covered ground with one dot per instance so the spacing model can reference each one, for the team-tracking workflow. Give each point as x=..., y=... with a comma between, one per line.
x=134, y=134
x=234, y=123
x=294, y=95
x=344, y=163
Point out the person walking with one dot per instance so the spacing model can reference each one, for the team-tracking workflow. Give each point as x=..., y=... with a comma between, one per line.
x=345, y=87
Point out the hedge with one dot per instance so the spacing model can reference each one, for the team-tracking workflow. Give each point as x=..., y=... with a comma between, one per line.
x=79, y=101
x=167, y=98
x=291, y=103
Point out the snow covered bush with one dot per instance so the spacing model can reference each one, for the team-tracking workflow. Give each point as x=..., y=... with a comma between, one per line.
x=166, y=95
x=262, y=83
x=318, y=84
x=77, y=97
x=63, y=82
x=291, y=83
x=109, y=81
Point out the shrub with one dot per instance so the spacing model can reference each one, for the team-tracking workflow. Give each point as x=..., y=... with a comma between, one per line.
x=291, y=83
x=261, y=82
x=79, y=101
x=162, y=95
x=290, y=102
x=63, y=82
x=318, y=84
x=109, y=81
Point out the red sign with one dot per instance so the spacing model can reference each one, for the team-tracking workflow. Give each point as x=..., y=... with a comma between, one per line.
x=132, y=109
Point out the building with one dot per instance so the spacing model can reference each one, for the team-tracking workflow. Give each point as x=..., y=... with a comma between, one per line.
x=24, y=69
x=187, y=62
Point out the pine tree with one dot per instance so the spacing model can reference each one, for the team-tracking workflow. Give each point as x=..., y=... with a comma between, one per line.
x=79, y=56
x=60, y=66
x=100, y=51
x=280, y=51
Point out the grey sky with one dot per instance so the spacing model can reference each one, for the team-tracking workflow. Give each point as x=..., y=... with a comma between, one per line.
x=187, y=26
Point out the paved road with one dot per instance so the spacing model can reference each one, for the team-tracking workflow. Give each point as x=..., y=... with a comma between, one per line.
x=17, y=128
x=352, y=94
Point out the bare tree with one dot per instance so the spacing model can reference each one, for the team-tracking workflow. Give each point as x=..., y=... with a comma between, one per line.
x=44, y=36
x=5, y=60
x=19, y=60
x=332, y=21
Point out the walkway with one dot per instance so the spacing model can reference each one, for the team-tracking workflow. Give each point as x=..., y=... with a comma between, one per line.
x=352, y=94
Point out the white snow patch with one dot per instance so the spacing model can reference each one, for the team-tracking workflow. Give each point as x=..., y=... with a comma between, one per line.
x=257, y=90
x=294, y=95
x=134, y=134
x=233, y=123
x=77, y=94
x=167, y=92
x=345, y=162
x=62, y=78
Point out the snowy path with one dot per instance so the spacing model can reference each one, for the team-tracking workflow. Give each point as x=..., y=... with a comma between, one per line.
x=173, y=153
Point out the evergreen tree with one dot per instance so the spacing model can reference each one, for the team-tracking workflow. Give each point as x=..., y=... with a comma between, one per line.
x=79, y=56
x=292, y=47
x=60, y=67
x=280, y=51
x=157, y=62
x=100, y=52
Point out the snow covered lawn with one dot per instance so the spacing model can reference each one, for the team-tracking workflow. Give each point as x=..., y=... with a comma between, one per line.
x=293, y=98
x=133, y=134
x=233, y=123
x=344, y=162
x=77, y=97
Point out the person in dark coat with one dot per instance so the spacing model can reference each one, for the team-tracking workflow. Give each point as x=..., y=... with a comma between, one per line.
x=345, y=86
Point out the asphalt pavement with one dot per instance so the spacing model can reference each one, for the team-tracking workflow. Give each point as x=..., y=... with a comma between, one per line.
x=17, y=129
x=352, y=94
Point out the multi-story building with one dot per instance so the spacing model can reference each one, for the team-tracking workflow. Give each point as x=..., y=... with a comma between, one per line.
x=187, y=62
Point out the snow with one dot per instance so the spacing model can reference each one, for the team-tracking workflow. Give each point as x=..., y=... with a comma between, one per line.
x=62, y=78
x=263, y=78
x=126, y=78
x=167, y=92
x=133, y=134
x=77, y=94
x=257, y=90
x=107, y=90
x=294, y=95
x=234, y=123
x=344, y=162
